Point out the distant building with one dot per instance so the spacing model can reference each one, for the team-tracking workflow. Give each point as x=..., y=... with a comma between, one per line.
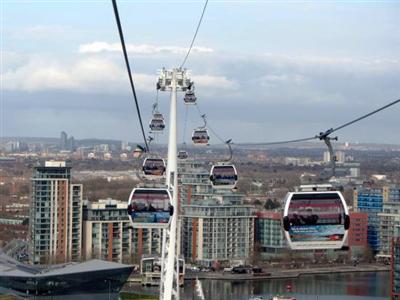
x=327, y=157
x=357, y=239
x=107, y=233
x=298, y=161
x=269, y=234
x=340, y=157
x=63, y=140
x=71, y=144
x=55, y=215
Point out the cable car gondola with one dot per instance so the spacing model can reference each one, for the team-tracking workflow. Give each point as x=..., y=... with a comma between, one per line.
x=150, y=208
x=315, y=220
x=158, y=115
x=157, y=125
x=190, y=97
x=223, y=176
x=200, y=136
x=183, y=154
x=153, y=167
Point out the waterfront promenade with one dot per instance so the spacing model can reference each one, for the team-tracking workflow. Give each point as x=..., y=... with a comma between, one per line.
x=280, y=273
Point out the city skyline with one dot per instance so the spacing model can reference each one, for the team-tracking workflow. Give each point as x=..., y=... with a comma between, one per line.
x=344, y=65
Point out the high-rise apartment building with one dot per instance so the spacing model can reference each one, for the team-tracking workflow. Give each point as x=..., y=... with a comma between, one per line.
x=389, y=220
x=217, y=231
x=382, y=204
x=108, y=235
x=216, y=224
x=55, y=215
x=370, y=200
x=63, y=140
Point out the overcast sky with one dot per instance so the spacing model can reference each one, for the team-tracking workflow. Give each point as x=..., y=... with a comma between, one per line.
x=263, y=70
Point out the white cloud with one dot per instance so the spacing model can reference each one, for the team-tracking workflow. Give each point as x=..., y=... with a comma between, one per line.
x=218, y=82
x=142, y=49
x=282, y=79
x=88, y=75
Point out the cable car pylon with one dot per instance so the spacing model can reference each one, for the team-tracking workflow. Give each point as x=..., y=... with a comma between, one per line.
x=324, y=136
x=172, y=80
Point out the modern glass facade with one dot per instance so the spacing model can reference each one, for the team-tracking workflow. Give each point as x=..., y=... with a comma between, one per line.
x=370, y=200
x=269, y=233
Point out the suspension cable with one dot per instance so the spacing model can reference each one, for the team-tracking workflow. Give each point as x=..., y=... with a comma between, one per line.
x=121, y=35
x=365, y=116
x=208, y=125
x=323, y=135
x=195, y=34
x=185, y=126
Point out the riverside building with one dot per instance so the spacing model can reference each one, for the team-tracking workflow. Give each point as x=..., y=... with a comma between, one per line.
x=382, y=204
x=270, y=237
x=108, y=235
x=216, y=224
x=55, y=215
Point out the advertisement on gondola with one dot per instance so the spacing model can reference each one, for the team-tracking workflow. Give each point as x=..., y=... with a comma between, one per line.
x=316, y=233
x=316, y=220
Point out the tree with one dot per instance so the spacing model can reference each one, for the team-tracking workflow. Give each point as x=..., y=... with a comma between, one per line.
x=270, y=204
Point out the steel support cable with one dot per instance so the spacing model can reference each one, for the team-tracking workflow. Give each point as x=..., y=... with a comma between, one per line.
x=208, y=125
x=228, y=142
x=121, y=35
x=325, y=134
x=280, y=142
x=195, y=34
x=185, y=126
x=364, y=116
x=155, y=105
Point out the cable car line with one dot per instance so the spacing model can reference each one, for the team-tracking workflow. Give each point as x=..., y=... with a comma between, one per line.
x=185, y=125
x=195, y=34
x=229, y=143
x=360, y=118
x=121, y=35
x=279, y=142
x=208, y=124
x=323, y=135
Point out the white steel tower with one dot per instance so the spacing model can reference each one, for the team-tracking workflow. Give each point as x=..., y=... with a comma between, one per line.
x=172, y=80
